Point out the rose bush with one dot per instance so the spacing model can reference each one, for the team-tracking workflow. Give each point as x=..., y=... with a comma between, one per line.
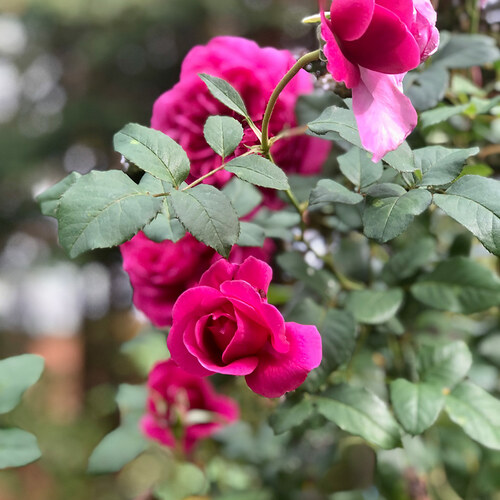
x=182, y=111
x=370, y=45
x=180, y=403
x=225, y=325
x=160, y=272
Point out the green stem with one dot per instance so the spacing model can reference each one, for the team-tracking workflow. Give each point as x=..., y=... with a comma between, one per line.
x=303, y=61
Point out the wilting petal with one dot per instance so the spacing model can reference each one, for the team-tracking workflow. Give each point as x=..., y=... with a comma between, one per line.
x=385, y=116
x=279, y=373
x=344, y=11
x=387, y=46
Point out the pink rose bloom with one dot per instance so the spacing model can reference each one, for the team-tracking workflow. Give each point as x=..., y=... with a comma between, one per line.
x=182, y=111
x=182, y=403
x=225, y=325
x=160, y=272
x=370, y=45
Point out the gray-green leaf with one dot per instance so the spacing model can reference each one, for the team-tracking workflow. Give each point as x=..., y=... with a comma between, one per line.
x=208, y=215
x=361, y=413
x=477, y=412
x=223, y=134
x=328, y=192
x=50, y=198
x=16, y=375
x=290, y=415
x=359, y=169
x=417, y=406
x=17, y=448
x=386, y=218
x=225, y=93
x=374, y=307
x=153, y=152
x=459, y=285
x=103, y=209
x=473, y=201
x=243, y=196
x=258, y=170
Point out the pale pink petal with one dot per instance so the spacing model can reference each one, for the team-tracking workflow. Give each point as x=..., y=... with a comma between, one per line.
x=279, y=373
x=385, y=116
x=424, y=28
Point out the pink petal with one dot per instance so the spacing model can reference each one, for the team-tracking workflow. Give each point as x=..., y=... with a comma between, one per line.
x=385, y=116
x=152, y=430
x=387, y=46
x=220, y=271
x=256, y=272
x=279, y=373
x=402, y=8
x=341, y=69
x=350, y=18
x=424, y=28
x=190, y=306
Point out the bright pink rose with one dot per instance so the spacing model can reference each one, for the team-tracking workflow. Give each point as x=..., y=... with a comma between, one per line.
x=182, y=111
x=183, y=406
x=160, y=272
x=370, y=45
x=225, y=325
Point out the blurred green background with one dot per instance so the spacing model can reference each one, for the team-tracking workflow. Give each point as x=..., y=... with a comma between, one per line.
x=72, y=73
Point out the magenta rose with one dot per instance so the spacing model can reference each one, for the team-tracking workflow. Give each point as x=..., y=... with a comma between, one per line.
x=225, y=325
x=160, y=272
x=183, y=406
x=370, y=45
x=182, y=111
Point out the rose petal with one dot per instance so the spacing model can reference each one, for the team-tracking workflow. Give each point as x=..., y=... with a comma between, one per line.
x=341, y=69
x=350, y=18
x=402, y=8
x=150, y=428
x=279, y=373
x=220, y=271
x=387, y=46
x=385, y=116
x=256, y=272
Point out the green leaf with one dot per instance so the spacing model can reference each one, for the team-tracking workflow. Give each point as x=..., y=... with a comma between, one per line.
x=16, y=375
x=328, y=192
x=225, y=93
x=223, y=134
x=338, y=120
x=208, y=215
x=103, y=209
x=50, y=198
x=251, y=235
x=359, y=169
x=258, y=170
x=277, y=224
x=388, y=217
x=184, y=480
x=338, y=334
x=473, y=202
x=310, y=106
x=401, y=159
x=17, y=448
x=490, y=348
x=417, y=406
x=477, y=412
x=361, y=413
x=164, y=226
x=463, y=50
x=243, y=196
x=441, y=114
x=441, y=165
x=290, y=415
x=444, y=365
x=426, y=88
x=374, y=307
x=405, y=263
x=131, y=400
x=153, y=152
x=117, y=449
x=459, y=285
x=319, y=280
